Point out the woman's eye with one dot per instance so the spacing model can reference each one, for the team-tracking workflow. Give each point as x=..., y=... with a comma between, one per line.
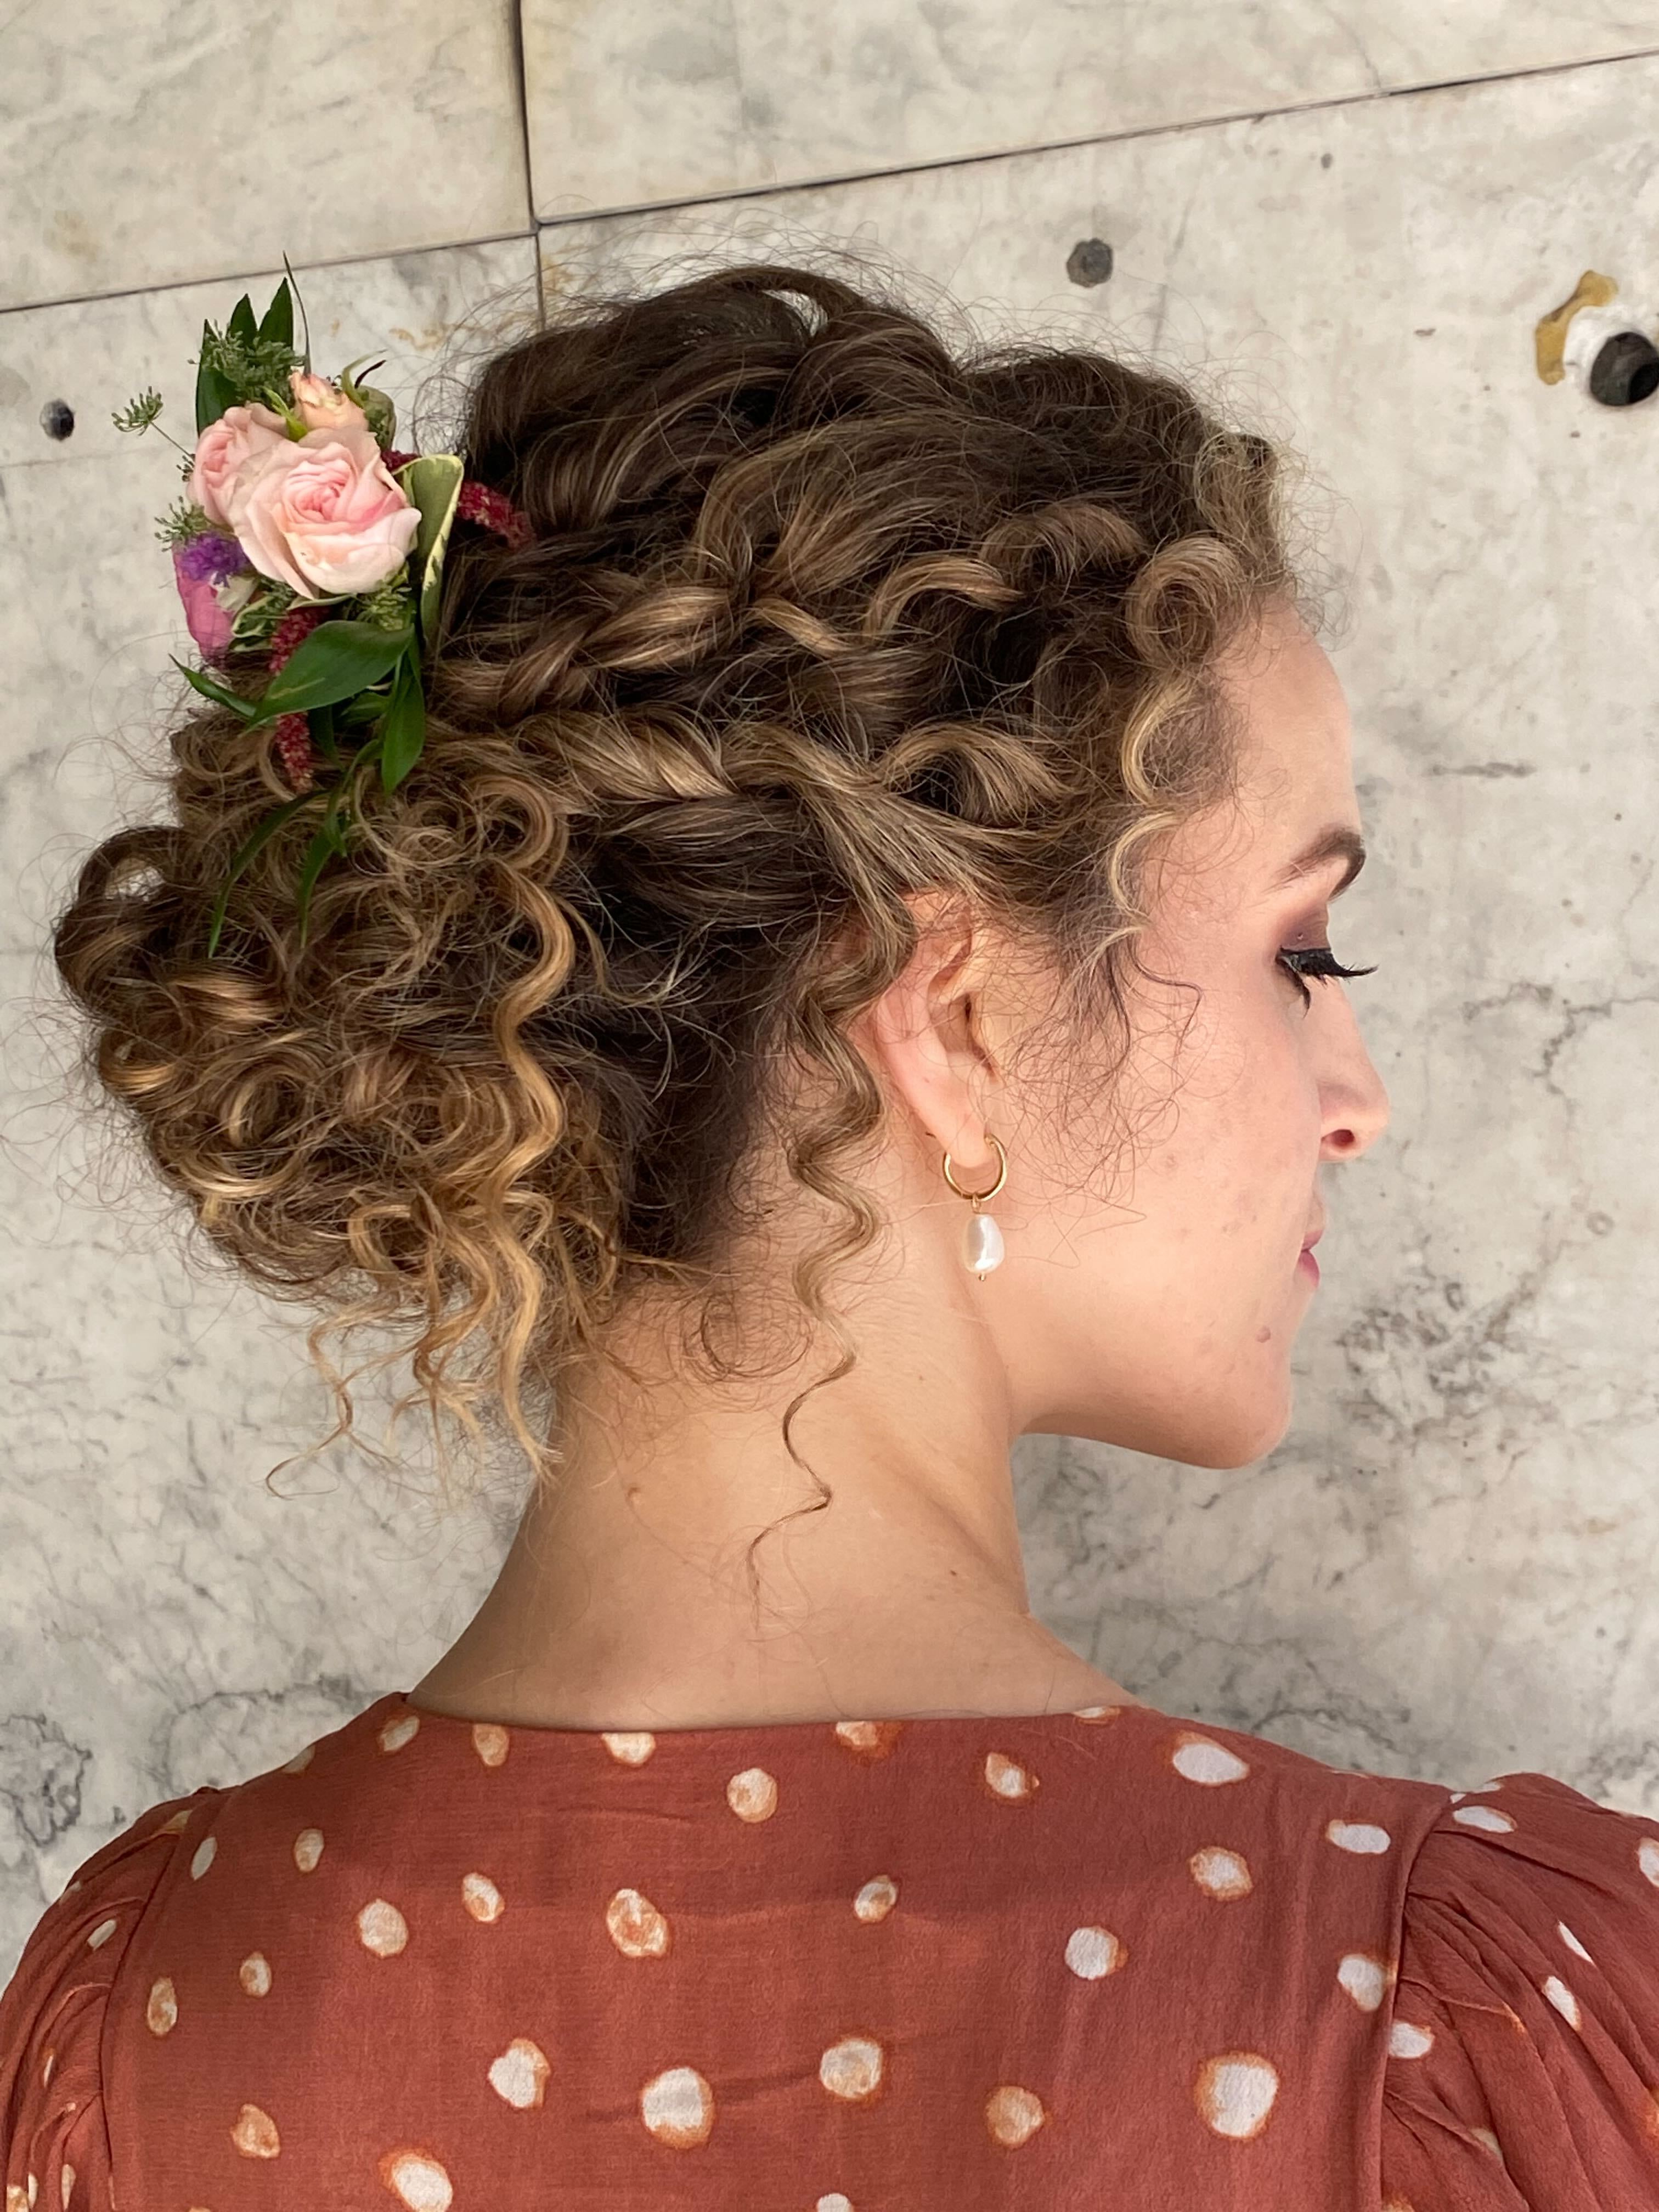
x=1316, y=960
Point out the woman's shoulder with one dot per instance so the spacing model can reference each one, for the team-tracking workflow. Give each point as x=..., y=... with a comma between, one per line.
x=1523, y=2046
x=53, y=2009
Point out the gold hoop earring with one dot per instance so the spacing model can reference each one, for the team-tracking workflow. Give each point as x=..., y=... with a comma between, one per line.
x=983, y=1247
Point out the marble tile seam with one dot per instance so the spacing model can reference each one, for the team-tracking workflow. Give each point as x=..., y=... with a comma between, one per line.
x=243, y=270
x=1217, y=121
x=522, y=100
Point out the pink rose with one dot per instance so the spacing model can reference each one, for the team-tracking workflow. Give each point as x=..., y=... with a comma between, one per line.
x=323, y=514
x=223, y=450
x=321, y=405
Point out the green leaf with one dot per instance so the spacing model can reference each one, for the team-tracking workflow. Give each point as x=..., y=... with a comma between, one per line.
x=278, y=322
x=242, y=324
x=338, y=660
x=329, y=841
x=305, y=320
x=432, y=483
x=263, y=831
x=214, y=391
x=320, y=720
x=403, y=731
x=216, y=692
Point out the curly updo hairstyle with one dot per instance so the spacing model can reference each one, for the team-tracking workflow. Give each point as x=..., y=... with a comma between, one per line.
x=815, y=615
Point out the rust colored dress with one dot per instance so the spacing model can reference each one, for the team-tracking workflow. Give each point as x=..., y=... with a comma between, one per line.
x=1104, y=1961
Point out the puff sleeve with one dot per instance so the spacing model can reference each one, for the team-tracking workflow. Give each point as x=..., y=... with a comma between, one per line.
x=1523, y=2073
x=54, y=2143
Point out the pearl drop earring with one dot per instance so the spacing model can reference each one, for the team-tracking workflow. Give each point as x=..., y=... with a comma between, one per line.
x=983, y=1247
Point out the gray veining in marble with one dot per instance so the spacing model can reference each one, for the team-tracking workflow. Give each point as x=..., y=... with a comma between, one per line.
x=154, y=145
x=1446, y=1569
x=632, y=103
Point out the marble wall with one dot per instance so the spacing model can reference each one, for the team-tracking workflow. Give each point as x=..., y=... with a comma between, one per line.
x=1345, y=220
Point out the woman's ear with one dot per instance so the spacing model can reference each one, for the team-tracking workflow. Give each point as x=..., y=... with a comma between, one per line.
x=926, y=1038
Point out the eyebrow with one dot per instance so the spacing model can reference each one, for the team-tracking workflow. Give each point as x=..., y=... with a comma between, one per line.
x=1336, y=843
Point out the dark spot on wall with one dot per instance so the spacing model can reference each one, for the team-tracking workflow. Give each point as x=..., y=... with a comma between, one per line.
x=1325, y=161
x=1625, y=371
x=1089, y=262
x=57, y=419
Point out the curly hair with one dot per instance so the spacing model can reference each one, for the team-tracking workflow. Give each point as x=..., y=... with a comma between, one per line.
x=816, y=615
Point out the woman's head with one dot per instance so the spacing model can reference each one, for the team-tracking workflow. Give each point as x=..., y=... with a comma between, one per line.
x=828, y=647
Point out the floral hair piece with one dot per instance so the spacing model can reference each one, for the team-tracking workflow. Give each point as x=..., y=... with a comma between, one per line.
x=304, y=542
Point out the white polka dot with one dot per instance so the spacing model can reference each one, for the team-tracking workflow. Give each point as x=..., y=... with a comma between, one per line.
x=1474, y=1789
x=752, y=1795
x=637, y=1928
x=254, y=1974
x=1235, y=2092
x=1647, y=1857
x=1364, y=1977
x=1398, y=2204
x=1407, y=2040
x=1099, y=1713
x=396, y=1732
x=1362, y=1837
x=1563, y=2001
x=301, y=1761
x=834, y=2203
x=491, y=1742
x=1092, y=1952
x=870, y=1740
x=1572, y=1941
x=175, y=1826
x=1220, y=1873
x=1485, y=2136
x=1484, y=1816
x=481, y=1898
x=102, y=1934
x=307, y=1850
x=417, y=2180
x=1202, y=1761
x=255, y=2133
x=45, y=2070
x=382, y=1928
x=629, y=1746
x=1007, y=1779
x=65, y=2185
x=1013, y=2115
x=877, y=1899
x=852, y=2068
x=162, y=2012
x=678, y=2107
x=205, y=1852
x=519, y=2076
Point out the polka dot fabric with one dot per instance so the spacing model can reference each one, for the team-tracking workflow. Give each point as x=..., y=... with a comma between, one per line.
x=1105, y=1957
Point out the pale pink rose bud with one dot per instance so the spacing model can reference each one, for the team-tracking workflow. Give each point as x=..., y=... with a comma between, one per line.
x=323, y=514
x=321, y=405
x=222, y=450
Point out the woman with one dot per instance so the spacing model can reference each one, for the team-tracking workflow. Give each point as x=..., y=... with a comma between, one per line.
x=847, y=984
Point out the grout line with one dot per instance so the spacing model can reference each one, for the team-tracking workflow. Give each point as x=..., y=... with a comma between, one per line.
x=1102, y=138
x=538, y=223
x=234, y=276
x=521, y=86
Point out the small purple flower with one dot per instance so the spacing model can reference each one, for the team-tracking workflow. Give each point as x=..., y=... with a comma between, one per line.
x=210, y=558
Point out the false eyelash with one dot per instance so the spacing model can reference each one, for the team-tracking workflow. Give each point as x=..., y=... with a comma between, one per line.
x=1325, y=965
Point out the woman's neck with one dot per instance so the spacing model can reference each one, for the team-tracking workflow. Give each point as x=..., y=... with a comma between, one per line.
x=634, y=1595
